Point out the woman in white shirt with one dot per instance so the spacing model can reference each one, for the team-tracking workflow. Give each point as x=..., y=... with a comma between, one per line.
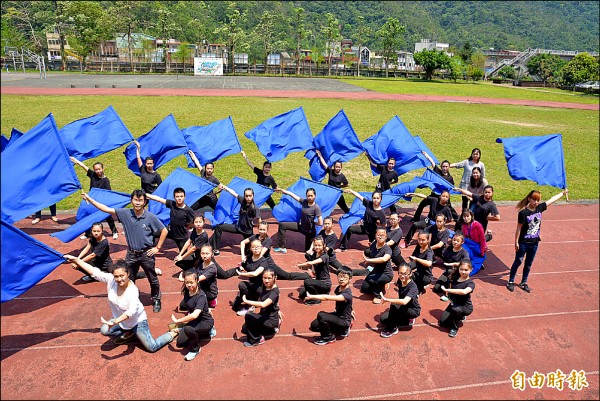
x=473, y=161
x=129, y=318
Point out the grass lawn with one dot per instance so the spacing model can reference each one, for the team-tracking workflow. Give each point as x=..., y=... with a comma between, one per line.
x=462, y=88
x=450, y=130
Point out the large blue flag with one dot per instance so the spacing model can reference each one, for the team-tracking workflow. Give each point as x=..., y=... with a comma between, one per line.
x=437, y=183
x=163, y=143
x=425, y=148
x=212, y=142
x=472, y=249
x=36, y=172
x=289, y=210
x=195, y=187
x=14, y=135
x=357, y=210
x=410, y=186
x=25, y=261
x=227, y=210
x=281, y=135
x=92, y=136
x=536, y=158
x=88, y=214
x=3, y=143
x=336, y=142
x=394, y=140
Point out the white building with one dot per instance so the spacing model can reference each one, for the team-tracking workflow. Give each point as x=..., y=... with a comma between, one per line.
x=426, y=44
x=405, y=61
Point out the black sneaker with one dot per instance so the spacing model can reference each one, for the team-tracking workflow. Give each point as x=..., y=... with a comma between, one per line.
x=125, y=337
x=312, y=301
x=525, y=287
x=510, y=286
x=157, y=306
x=323, y=341
x=453, y=333
x=216, y=252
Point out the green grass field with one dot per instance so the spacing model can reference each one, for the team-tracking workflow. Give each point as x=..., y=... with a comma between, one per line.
x=450, y=130
x=462, y=88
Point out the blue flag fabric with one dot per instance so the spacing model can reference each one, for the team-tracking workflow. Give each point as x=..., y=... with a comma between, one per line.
x=25, y=261
x=536, y=158
x=357, y=210
x=212, y=142
x=472, y=248
x=437, y=182
x=14, y=135
x=3, y=143
x=36, y=172
x=410, y=186
x=87, y=215
x=289, y=210
x=195, y=187
x=163, y=143
x=336, y=142
x=425, y=148
x=92, y=136
x=281, y=135
x=227, y=210
x=394, y=140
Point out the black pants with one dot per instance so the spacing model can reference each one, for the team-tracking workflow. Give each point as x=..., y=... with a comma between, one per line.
x=374, y=283
x=224, y=274
x=419, y=225
x=328, y=325
x=281, y=234
x=342, y=204
x=215, y=240
x=257, y=325
x=453, y=315
x=270, y=202
x=192, y=332
x=134, y=261
x=180, y=242
x=38, y=214
x=356, y=229
x=205, y=201
x=421, y=279
x=250, y=290
x=398, y=316
x=284, y=275
x=426, y=202
x=443, y=280
x=314, y=286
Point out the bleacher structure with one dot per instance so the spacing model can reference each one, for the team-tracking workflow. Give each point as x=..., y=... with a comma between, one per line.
x=19, y=58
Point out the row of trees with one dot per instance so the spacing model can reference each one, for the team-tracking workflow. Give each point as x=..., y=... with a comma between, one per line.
x=551, y=68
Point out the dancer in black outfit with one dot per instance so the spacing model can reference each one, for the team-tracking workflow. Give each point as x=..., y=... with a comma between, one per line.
x=263, y=177
x=207, y=172
x=306, y=226
x=387, y=176
x=373, y=218
x=149, y=177
x=460, y=296
x=404, y=309
x=335, y=178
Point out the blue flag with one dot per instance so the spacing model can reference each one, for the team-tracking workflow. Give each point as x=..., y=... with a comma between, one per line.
x=212, y=142
x=25, y=261
x=289, y=210
x=163, y=143
x=227, y=210
x=14, y=135
x=394, y=140
x=357, y=210
x=336, y=142
x=195, y=187
x=88, y=214
x=410, y=186
x=436, y=182
x=92, y=136
x=425, y=148
x=281, y=135
x=472, y=249
x=36, y=172
x=3, y=143
x=536, y=158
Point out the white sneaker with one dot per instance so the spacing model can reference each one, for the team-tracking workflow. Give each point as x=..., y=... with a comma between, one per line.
x=191, y=355
x=242, y=312
x=115, y=235
x=83, y=236
x=213, y=332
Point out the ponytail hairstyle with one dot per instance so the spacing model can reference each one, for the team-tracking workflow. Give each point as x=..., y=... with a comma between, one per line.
x=534, y=194
x=191, y=272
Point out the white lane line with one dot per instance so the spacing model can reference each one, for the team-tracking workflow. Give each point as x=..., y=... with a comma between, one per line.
x=440, y=389
x=548, y=242
x=310, y=333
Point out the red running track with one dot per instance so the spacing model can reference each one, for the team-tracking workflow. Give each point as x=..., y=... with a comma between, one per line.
x=51, y=347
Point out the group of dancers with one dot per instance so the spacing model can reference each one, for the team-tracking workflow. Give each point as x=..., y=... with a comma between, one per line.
x=258, y=296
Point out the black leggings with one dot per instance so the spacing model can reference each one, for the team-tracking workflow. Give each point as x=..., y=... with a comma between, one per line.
x=361, y=229
x=192, y=332
x=328, y=325
x=398, y=316
x=342, y=204
x=270, y=202
x=250, y=290
x=419, y=225
x=257, y=325
x=314, y=286
x=453, y=315
x=281, y=234
x=215, y=240
x=374, y=284
x=284, y=275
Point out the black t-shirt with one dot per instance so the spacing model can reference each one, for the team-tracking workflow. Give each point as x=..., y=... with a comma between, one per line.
x=343, y=309
x=483, y=209
x=101, y=249
x=308, y=215
x=372, y=218
x=385, y=267
x=394, y=235
x=266, y=180
x=251, y=265
x=209, y=286
x=411, y=290
x=95, y=182
x=532, y=223
x=450, y=256
x=447, y=177
x=245, y=221
x=266, y=243
x=426, y=255
x=321, y=269
x=435, y=208
x=181, y=217
x=197, y=301
x=462, y=300
x=386, y=178
x=271, y=310
x=330, y=241
x=150, y=181
x=198, y=240
x=437, y=236
x=211, y=195
x=336, y=180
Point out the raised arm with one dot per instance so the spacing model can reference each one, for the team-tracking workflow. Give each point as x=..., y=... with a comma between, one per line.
x=74, y=160
x=429, y=158
x=465, y=192
x=556, y=197
x=231, y=191
x=285, y=191
x=323, y=162
x=370, y=160
x=100, y=206
x=195, y=160
x=137, y=154
x=156, y=198
x=89, y=269
x=248, y=160
x=418, y=195
x=353, y=192
x=325, y=297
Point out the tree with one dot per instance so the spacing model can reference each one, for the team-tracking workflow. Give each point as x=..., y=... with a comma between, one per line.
x=300, y=33
x=231, y=30
x=125, y=20
x=546, y=66
x=466, y=52
x=332, y=36
x=457, y=68
x=362, y=33
x=165, y=28
x=28, y=20
x=583, y=67
x=432, y=60
x=182, y=54
x=507, y=72
x=389, y=35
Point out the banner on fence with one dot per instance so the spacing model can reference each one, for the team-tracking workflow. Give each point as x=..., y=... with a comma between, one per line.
x=208, y=66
